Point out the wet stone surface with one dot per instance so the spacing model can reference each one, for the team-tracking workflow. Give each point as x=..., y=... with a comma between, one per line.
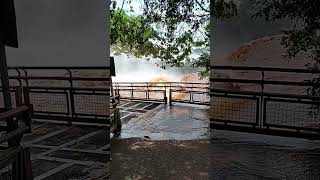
x=179, y=122
x=231, y=155
x=165, y=142
x=250, y=156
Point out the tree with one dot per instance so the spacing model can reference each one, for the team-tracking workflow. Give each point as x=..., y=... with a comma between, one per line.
x=179, y=30
x=131, y=34
x=303, y=37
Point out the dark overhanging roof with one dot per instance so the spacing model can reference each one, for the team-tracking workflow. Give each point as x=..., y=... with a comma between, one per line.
x=8, y=27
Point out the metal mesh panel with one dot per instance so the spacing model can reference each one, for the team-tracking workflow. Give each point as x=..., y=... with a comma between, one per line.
x=290, y=114
x=233, y=109
x=201, y=97
x=140, y=94
x=13, y=99
x=156, y=95
x=49, y=102
x=125, y=93
x=6, y=173
x=91, y=104
x=180, y=96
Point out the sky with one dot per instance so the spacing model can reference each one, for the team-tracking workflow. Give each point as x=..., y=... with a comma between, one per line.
x=60, y=33
x=73, y=32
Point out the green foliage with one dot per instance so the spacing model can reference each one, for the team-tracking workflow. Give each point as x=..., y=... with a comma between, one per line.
x=184, y=29
x=170, y=30
x=131, y=35
x=304, y=36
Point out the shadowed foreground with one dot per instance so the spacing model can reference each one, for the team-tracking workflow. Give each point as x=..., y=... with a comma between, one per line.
x=137, y=158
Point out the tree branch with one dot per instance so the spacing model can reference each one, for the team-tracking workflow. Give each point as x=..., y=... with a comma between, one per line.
x=200, y=5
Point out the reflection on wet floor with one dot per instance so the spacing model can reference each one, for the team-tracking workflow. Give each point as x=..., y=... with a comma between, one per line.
x=163, y=122
x=233, y=155
x=249, y=156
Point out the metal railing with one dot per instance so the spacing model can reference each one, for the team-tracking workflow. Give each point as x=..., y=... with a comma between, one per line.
x=261, y=110
x=167, y=92
x=66, y=94
x=115, y=119
x=15, y=163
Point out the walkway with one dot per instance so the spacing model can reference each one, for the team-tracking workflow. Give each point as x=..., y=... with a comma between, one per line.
x=68, y=152
x=169, y=142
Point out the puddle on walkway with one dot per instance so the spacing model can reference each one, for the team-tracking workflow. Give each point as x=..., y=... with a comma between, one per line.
x=247, y=156
x=233, y=155
x=177, y=122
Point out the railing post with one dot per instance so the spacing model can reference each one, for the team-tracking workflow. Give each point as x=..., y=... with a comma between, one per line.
x=147, y=92
x=131, y=91
x=261, y=111
x=118, y=89
x=165, y=93
x=262, y=78
x=26, y=77
x=28, y=115
x=71, y=97
x=18, y=96
x=70, y=78
x=19, y=75
x=72, y=106
x=170, y=96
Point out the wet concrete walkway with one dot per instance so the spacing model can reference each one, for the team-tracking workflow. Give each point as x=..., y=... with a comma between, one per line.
x=175, y=122
x=175, y=143
x=168, y=142
x=243, y=156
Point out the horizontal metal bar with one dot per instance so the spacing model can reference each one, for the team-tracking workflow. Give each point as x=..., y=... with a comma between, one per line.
x=90, y=114
x=107, y=89
x=48, y=92
x=234, y=122
x=256, y=68
x=297, y=101
x=59, y=78
x=298, y=128
x=189, y=91
x=267, y=82
x=212, y=91
x=59, y=67
x=50, y=112
x=14, y=112
x=190, y=102
x=91, y=93
x=160, y=83
x=257, y=130
x=142, y=90
x=73, y=119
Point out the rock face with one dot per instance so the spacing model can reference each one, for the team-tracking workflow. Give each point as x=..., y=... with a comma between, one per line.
x=263, y=52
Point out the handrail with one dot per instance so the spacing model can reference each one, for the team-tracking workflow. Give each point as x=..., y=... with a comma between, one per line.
x=250, y=81
x=258, y=68
x=261, y=81
x=59, y=78
x=160, y=83
x=68, y=88
x=13, y=112
x=59, y=67
x=253, y=93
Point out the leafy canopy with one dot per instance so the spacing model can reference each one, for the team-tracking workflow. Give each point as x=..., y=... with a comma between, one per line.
x=175, y=31
x=303, y=37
